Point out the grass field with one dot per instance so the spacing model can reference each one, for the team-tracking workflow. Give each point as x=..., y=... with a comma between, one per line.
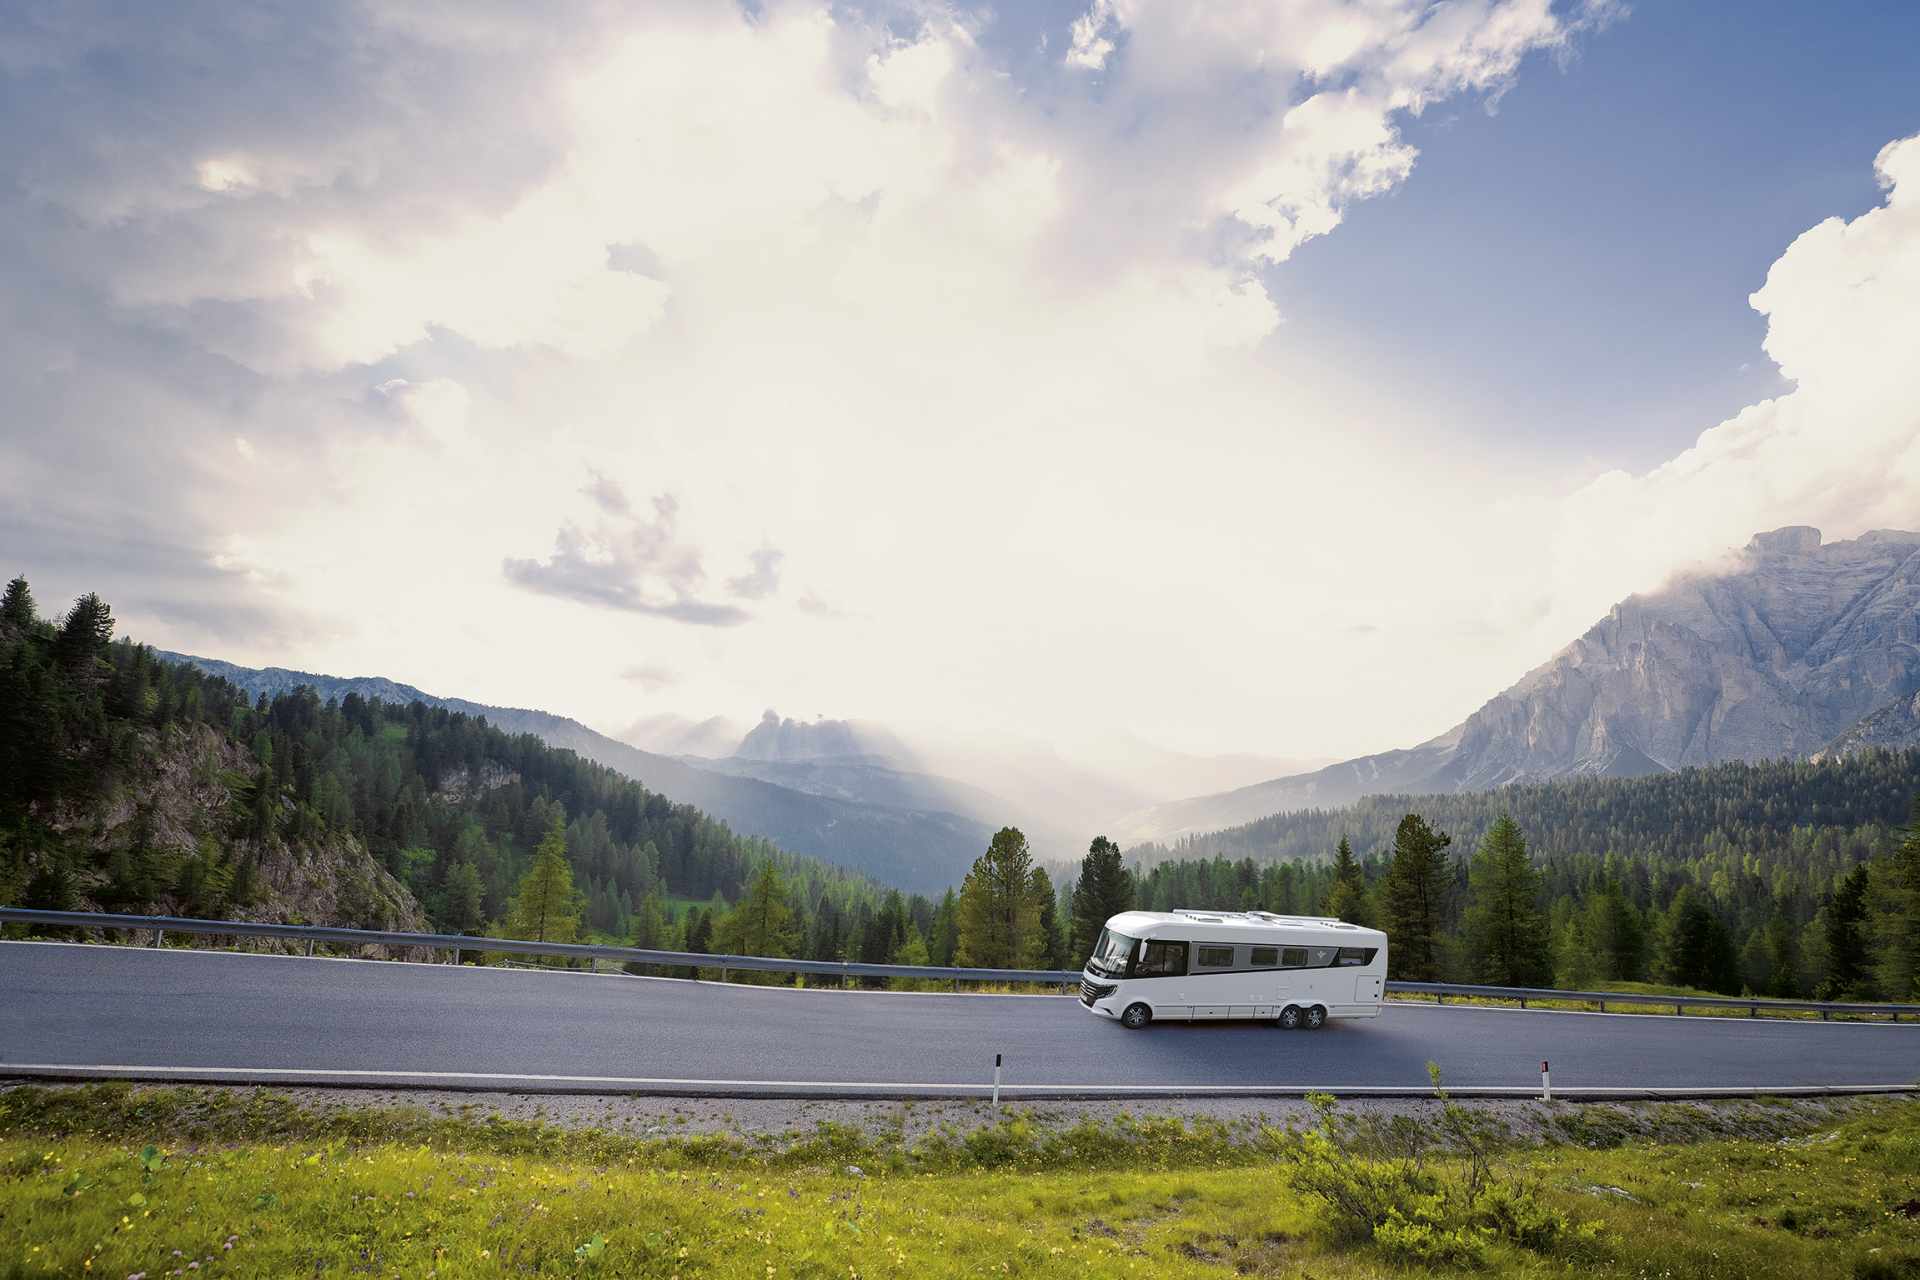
x=122, y=1182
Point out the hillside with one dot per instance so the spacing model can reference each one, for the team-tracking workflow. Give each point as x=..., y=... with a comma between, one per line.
x=130, y=783
x=1761, y=809
x=907, y=843
x=1785, y=878
x=1774, y=654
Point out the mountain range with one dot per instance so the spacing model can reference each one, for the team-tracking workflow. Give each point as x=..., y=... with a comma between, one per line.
x=918, y=849
x=1793, y=647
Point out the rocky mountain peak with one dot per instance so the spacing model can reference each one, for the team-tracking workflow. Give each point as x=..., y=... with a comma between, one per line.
x=1790, y=540
x=787, y=739
x=1772, y=654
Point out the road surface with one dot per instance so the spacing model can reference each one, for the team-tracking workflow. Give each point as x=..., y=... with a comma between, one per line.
x=77, y=1011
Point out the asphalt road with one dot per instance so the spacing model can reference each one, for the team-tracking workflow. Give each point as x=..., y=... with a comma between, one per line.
x=139, y=1013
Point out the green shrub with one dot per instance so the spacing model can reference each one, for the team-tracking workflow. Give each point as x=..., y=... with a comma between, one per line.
x=1412, y=1213
x=1425, y=1234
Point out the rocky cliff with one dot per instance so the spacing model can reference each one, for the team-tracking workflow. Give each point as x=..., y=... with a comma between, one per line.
x=1775, y=653
x=1895, y=727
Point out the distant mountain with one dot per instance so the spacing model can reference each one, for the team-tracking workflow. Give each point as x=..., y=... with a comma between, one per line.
x=787, y=741
x=909, y=848
x=1775, y=654
x=672, y=735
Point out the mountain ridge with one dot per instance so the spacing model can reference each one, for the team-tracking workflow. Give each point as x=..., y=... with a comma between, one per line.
x=916, y=850
x=1775, y=652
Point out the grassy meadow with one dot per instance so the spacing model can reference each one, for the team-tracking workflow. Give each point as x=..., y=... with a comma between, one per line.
x=118, y=1181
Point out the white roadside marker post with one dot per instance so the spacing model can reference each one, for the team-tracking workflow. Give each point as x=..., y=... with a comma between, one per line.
x=1546, y=1082
x=996, y=1082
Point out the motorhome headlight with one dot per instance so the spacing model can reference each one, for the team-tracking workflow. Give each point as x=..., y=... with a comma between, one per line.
x=1092, y=992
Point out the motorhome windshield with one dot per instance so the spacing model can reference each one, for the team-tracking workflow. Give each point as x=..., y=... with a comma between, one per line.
x=1110, y=954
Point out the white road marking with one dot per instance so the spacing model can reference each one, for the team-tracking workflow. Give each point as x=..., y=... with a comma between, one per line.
x=450, y=1077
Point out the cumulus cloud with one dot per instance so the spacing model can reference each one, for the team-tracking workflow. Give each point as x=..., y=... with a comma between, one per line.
x=1841, y=450
x=918, y=314
x=627, y=561
x=763, y=579
x=1279, y=116
x=650, y=676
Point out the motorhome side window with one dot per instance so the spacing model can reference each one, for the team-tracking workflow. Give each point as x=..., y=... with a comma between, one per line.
x=1293, y=957
x=1216, y=958
x=1354, y=955
x=1265, y=957
x=1161, y=960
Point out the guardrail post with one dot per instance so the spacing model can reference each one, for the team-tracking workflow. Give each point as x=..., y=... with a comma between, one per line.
x=1823, y=1015
x=159, y=935
x=1679, y=1011
x=1753, y=1010
x=1440, y=997
x=457, y=952
x=1603, y=1006
x=309, y=947
x=1523, y=1002
x=723, y=973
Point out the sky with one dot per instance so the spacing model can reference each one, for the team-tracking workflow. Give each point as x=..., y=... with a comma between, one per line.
x=1278, y=377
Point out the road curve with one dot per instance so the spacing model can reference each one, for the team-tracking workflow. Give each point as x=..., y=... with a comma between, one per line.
x=79, y=1011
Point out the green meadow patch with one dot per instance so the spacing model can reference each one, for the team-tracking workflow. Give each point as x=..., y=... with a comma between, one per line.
x=118, y=1181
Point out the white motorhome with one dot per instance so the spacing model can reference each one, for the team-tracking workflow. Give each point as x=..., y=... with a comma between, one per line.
x=1296, y=971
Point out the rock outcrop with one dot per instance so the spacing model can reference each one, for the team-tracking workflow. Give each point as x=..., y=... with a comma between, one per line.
x=1894, y=727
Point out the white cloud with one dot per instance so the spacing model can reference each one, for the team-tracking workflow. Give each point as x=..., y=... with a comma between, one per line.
x=1841, y=450
x=987, y=360
x=437, y=406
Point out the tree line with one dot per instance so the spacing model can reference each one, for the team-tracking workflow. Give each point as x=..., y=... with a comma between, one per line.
x=1815, y=925
x=1785, y=879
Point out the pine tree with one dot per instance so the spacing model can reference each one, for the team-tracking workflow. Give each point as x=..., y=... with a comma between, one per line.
x=1052, y=946
x=1417, y=888
x=1347, y=898
x=85, y=634
x=699, y=932
x=1898, y=916
x=465, y=898
x=1615, y=934
x=913, y=951
x=1846, y=942
x=1577, y=968
x=546, y=907
x=649, y=929
x=762, y=925
x=827, y=941
x=1105, y=889
x=1781, y=946
x=943, y=940
x=1698, y=951
x=16, y=606
x=1506, y=932
x=999, y=918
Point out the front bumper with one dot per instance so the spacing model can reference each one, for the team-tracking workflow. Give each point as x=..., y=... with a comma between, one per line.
x=1093, y=994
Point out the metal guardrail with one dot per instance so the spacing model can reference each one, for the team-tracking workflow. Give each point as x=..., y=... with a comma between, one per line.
x=459, y=943
x=1754, y=1005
